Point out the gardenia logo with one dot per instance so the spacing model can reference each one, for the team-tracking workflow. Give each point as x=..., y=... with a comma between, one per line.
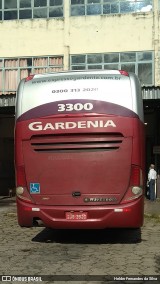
x=39, y=126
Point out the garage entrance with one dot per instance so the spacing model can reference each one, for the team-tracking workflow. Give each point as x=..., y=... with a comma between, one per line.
x=7, y=175
x=7, y=119
x=152, y=126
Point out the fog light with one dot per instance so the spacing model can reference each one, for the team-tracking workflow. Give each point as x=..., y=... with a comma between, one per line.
x=19, y=190
x=136, y=190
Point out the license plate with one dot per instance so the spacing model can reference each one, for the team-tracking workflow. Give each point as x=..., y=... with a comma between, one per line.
x=76, y=216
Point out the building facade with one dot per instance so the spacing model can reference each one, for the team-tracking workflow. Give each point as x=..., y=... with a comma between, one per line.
x=52, y=35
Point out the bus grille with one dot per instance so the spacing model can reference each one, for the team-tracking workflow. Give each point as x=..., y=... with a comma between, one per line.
x=76, y=143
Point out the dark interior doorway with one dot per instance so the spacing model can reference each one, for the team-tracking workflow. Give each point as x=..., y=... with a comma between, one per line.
x=7, y=121
x=152, y=129
x=7, y=174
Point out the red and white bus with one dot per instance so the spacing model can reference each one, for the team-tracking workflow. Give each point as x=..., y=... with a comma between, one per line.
x=79, y=150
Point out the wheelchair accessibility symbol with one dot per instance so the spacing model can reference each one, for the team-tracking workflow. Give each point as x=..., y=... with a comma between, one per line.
x=34, y=187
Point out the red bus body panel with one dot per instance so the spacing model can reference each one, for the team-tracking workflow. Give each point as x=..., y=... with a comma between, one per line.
x=79, y=150
x=99, y=217
x=96, y=164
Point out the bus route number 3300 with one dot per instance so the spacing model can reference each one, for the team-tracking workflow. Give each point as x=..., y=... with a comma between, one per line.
x=75, y=107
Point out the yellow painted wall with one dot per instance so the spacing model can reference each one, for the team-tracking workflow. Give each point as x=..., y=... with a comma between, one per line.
x=91, y=34
x=31, y=38
x=82, y=34
x=111, y=33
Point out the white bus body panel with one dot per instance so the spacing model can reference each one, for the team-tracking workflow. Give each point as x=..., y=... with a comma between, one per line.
x=107, y=86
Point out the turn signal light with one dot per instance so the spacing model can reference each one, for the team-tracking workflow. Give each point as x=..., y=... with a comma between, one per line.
x=136, y=184
x=23, y=194
x=19, y=190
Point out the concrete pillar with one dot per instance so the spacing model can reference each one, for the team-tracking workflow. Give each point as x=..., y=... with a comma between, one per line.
x=66, y=34
x=156, y=45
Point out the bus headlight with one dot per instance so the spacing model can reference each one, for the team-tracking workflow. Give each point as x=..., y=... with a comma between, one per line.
x=19, y=190
x=136, y=190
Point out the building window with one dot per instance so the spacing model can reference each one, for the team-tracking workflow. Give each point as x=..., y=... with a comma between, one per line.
x=140, y=63
x=12, y=70
x=102, y=7
x=30, y=9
